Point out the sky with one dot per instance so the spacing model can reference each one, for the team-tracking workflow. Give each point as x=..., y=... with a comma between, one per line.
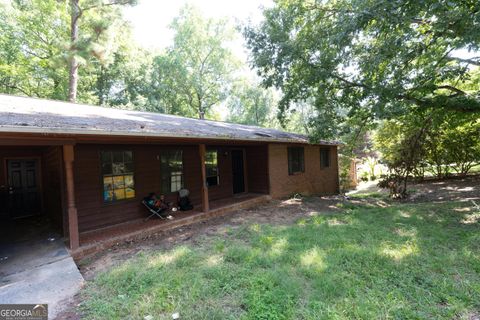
x=150, y=18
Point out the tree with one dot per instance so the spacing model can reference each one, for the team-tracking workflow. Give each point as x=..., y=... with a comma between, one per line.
x=36, y=49
x=250, y=103
x=429, y=141
x=195, y=72
x=402, y=145
x=372, y=59
x=459, y=138
x=82, y=48
x=126, y=80
x=32, y=38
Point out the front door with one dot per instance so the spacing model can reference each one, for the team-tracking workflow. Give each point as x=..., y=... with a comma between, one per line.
x=24, y=189
x=238, y=171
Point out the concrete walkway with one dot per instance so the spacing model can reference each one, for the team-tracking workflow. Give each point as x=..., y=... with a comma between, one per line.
x=38, y=269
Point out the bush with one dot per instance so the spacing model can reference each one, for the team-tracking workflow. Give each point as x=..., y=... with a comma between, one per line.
x=395, y=184
x=364, y=176
x=427, y=141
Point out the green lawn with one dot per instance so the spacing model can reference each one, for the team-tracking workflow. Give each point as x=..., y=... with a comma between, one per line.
x=405, y=261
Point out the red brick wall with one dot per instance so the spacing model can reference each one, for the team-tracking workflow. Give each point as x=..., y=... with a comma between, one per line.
x=314, y=180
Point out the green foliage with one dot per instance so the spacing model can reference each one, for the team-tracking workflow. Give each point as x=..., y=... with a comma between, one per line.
x=402, y=261
x=193, y=74
x=35, y=47
x=368, y=60
x=429, y=141
x=249, y=103
x=460, y=143
x=33, y=39
x=127, y=80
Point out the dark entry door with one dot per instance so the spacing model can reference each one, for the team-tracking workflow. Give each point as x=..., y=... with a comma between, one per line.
x=238, y=171
x=24, y=189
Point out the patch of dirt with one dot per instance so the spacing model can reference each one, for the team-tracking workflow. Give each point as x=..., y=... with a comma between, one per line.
x=464, y=189
x=434, y=190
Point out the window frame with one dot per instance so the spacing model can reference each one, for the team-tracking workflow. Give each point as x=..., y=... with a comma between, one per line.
x=297, y=152
x=207, y=176
x=164, y=177
x=328, y=158
x=124, y=174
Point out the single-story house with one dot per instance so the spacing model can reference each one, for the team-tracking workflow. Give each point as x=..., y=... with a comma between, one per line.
x=87, y=168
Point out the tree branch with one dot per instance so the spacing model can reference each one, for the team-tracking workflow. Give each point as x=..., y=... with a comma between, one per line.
x=475, y=60
x=452, y=88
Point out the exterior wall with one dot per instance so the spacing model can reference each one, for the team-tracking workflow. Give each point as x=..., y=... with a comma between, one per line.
x=224, y=189
x=93, y=213
x=257, y=169
x=256, y=172
x=314, y=180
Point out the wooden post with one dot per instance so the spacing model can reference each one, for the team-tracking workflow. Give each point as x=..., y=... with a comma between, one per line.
x=205, y=203
x=68, y=157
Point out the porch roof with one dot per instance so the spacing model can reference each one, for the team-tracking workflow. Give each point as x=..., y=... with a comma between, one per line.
x=32, y=115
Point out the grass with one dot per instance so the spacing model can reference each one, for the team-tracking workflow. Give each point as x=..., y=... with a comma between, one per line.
x=403, y=261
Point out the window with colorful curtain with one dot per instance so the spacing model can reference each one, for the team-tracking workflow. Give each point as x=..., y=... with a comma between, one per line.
x=117, y=172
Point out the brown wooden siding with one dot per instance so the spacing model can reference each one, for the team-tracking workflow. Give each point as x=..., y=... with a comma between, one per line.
x=256, y=170
x=224, y=189
x=94, y=213
x=53, y=185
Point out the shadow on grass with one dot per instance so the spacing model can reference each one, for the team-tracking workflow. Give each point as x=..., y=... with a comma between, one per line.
x=401, y=261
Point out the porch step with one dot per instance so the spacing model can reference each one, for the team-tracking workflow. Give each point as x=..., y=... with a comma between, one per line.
x=97, y=246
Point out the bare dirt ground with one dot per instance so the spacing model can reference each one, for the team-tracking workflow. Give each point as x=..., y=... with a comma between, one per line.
x=276, y=212
x=459, y=189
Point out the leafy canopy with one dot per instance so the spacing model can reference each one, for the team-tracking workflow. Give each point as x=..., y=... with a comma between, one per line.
x=369, y=59
x=195, y=71
x=35, y=46
x=250, y=103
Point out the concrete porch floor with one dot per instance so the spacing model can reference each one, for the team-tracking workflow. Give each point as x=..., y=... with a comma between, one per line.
x=97, y=240
x=35, y=266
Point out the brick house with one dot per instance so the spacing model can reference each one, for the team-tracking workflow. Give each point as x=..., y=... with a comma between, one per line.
x=87, y=168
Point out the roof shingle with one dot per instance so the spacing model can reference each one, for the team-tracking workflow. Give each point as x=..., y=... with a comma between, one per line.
x=22, y=114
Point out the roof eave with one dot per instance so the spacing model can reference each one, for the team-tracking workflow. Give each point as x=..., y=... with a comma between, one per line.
x=47, y=131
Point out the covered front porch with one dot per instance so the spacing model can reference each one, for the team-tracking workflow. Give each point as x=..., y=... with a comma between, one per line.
x=64, y=180
x=97, y=240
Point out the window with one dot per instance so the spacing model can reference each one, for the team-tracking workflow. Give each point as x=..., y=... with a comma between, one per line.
x=171, y=166
x=211, y=167
x=296, y=161
x=117, y=172
x=324, y=157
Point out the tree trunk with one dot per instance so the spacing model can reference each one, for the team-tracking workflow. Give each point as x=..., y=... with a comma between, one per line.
x=73, y=72
x=201, y=110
